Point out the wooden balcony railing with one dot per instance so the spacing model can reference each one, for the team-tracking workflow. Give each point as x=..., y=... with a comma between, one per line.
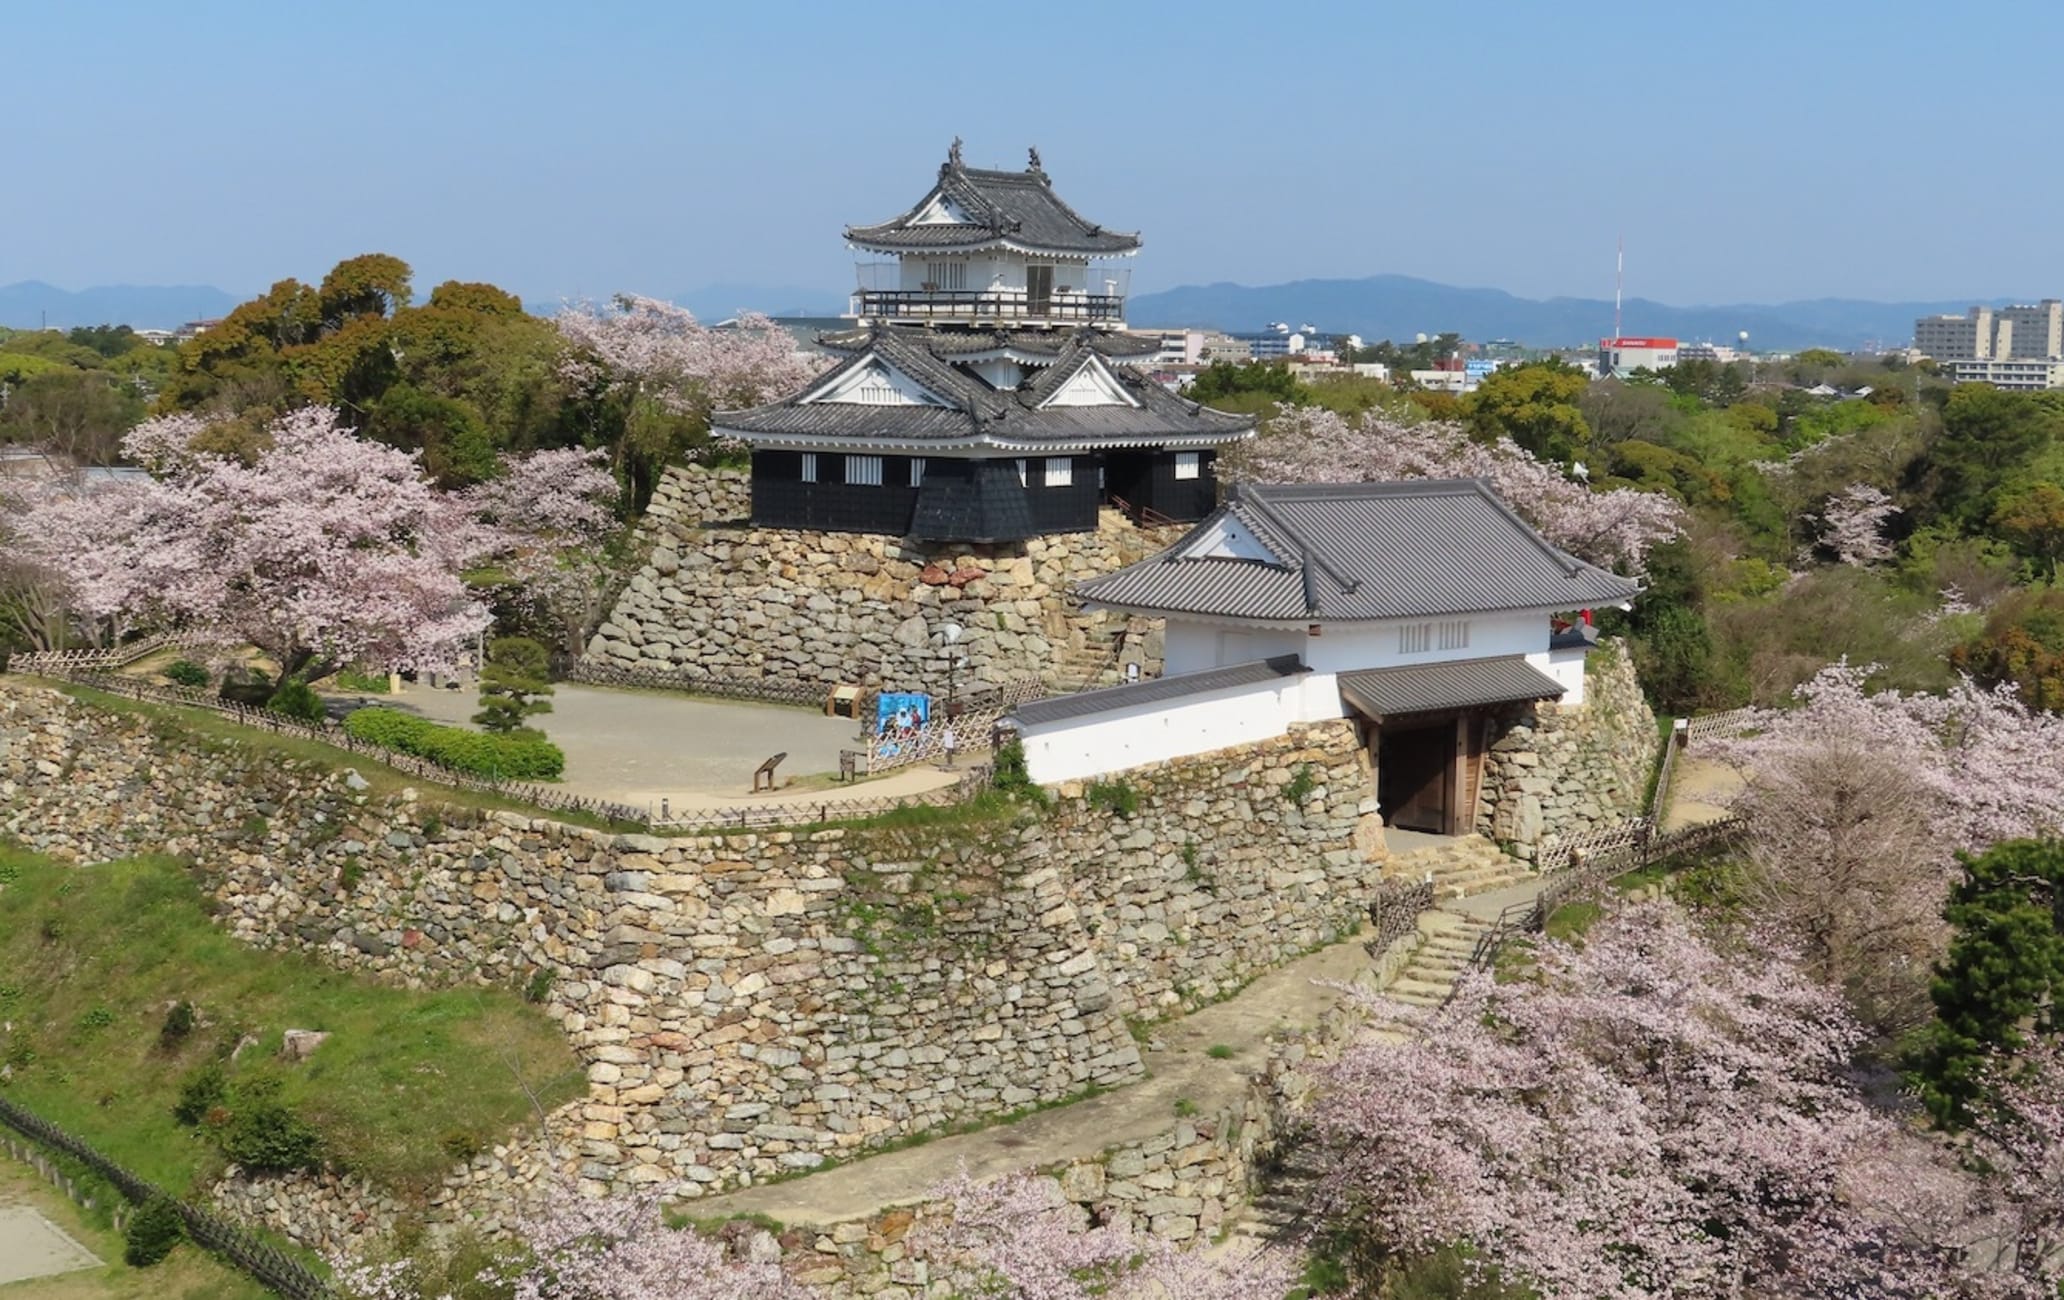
x=977, y=305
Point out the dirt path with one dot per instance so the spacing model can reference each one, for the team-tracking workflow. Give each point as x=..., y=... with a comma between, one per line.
x=1700, y=791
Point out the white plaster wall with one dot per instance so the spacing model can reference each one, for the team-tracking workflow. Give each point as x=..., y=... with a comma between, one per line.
x=1079, y=748
x=1192, y=647
x=1565, y=666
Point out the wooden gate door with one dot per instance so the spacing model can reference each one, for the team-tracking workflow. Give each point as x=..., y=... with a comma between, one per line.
x=1038, y=290
x=1415, y=776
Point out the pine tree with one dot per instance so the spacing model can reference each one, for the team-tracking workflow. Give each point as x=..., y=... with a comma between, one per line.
x=2003, y=975
x=515, y=676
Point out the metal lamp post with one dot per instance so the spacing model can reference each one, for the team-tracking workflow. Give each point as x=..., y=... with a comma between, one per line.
x=951, y=633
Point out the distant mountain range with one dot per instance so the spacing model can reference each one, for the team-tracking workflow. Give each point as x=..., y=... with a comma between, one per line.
x=31, y=304
x=1383, y=306
x=1398, y=307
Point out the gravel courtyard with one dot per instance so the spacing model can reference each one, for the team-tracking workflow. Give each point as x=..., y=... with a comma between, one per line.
x=637, y=747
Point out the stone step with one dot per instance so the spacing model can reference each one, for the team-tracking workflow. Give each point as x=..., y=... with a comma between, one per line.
x=1421, y=995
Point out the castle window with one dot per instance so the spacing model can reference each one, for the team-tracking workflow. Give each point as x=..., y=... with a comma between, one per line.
x=1021, y=473
x=809, y=467
x=1188, y=464
x=1060, y=472
x=864, y=470
x=1415, y=638
x=948, y=276
x=917, y=471
x=1454, y=635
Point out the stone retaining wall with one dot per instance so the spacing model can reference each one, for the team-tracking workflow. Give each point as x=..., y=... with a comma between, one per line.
x=717, y=596
x=754, y=1004
x=1192, y=1180
x=1554, y=770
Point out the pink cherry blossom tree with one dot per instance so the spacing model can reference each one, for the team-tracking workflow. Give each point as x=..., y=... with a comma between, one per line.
x=642, y=347
x=1984, y=762
x=1017, y=1238
x=1649, y=1116
x=1614, y=529
x=324, y=549
x=1853, y=524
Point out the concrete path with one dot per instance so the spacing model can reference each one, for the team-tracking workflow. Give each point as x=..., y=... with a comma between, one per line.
x=1183, y=1069
x=639, y=747
x=1700, y=791
x=32, y=1246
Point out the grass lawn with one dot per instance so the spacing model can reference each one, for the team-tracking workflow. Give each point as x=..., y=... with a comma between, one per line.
x=93, y=958
x=189, y=1273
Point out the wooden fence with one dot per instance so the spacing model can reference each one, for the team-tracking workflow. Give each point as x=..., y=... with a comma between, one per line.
x=544, y=797
x=1394, y=912
x=49, y=663
x=267, y=1263
x=1712, y=726
x=814, y=812
x=329, y=733
x=1590, y=863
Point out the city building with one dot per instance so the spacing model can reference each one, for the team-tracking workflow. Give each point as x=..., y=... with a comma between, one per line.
x=993, y=393
x=1423, y=610
x=2028, y=375
x=1623, y=356
x=2018, y=347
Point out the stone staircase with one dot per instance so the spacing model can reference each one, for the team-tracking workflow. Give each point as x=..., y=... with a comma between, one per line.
x=1462, y=866
x=1282, y=1211
x=1447, y=938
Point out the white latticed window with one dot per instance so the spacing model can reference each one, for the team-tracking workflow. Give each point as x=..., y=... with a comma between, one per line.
x=1021, y=473
x=1454, y=635
x=1060, y=472
x=917, y=471
x=864, y=470
x=809, y=467
x=877, y=389
x=946, y=275
x=1415, y=638
x=1188, y=464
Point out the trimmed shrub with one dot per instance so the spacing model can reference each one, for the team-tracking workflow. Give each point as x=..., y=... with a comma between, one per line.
x=263, y=1134
x=185, y=672
x=202, y=1092
x=511, y=758
x=153, y=1231
x=297, y=699
x=179, y=1022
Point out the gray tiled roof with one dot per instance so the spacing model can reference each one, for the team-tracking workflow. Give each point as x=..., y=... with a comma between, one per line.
x=1383, y=693
x=973, y=413
x=1057, y=708
x=1018, y=207
x=1364, y=551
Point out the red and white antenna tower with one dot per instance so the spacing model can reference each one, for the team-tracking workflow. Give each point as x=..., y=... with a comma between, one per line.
x=1618, y=277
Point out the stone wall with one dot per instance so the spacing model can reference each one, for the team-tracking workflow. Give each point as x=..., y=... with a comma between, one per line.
x=716, y=596
x=747, y=1005
x=1554, y=770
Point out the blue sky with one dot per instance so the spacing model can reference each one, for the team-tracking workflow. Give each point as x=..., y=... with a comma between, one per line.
x=1753, y=151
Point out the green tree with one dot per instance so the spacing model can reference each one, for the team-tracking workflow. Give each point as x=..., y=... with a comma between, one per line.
x=2032, y=518
x=1986, y=434
x=457, y=448
x=371, y=284
x=1222, y=380
x=77, y=413
x=515, y=678
x=1536, y=406
x=108, y=340
x=2004, y=973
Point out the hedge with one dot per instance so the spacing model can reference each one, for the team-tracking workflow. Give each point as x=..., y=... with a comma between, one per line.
x=515, y=758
